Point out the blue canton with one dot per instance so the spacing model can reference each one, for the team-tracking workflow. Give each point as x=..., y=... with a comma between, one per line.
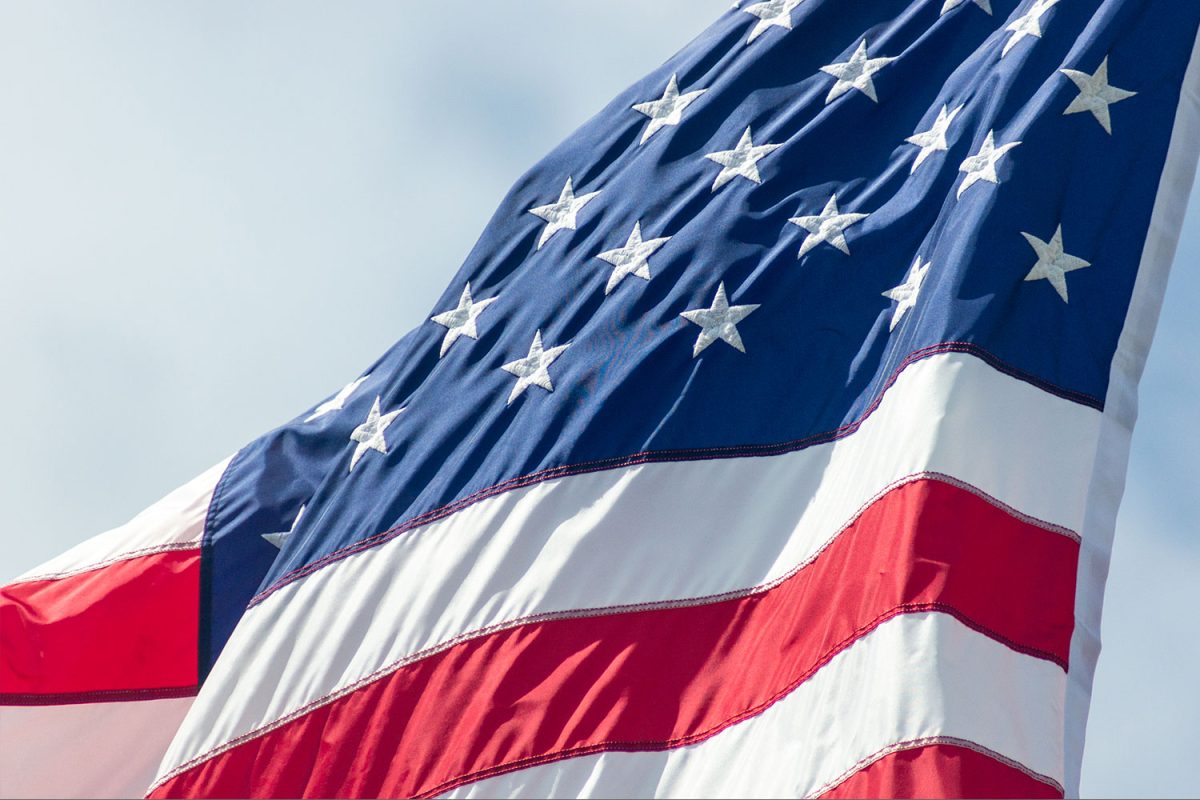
x=818, y=192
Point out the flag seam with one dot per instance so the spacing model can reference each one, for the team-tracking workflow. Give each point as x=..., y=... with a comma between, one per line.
x=711, y=731
x=97, y=696
x=912, y=744
x=660, y=456
x=127, y=556
x=383, y=672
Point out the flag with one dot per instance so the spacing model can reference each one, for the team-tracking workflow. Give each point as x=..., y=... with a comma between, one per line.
x=768, y=442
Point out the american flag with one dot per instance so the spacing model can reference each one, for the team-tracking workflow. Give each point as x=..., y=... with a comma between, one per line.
x=769, y=442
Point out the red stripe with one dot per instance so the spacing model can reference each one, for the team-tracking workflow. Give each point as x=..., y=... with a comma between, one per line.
x=938, y=771
x=122, y=631
x=667, y=676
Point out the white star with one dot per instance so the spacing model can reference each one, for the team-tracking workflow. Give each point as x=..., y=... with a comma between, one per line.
x=369, y=435
x=532, y=370
x=667, y=110
x=950, y=5
x=561, y=215
x=632, y=259
x=461, y=321
x=906, y=293
x=934, y=139
x=278, y=539
x=829, y=226
x=771, y=13
x=1028, y=24
x=741, y=160
x=1053, y=263
x=719, y=321
x=336, y=402
x=855, y=74
x=1096, y=94
x=982, y=165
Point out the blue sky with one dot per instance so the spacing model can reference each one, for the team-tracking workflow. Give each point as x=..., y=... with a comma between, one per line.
x=214, y=214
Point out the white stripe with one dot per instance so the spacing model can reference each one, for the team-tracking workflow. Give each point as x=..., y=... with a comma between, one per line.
x=915, y=677
x=1120, y=407
x=173, y=522
x=85, y=750
x=644, y=534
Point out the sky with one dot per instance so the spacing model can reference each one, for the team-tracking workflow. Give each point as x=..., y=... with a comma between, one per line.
x=213, y=215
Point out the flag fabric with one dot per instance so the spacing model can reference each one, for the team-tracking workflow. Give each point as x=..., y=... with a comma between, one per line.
x=769, y=442
x=98, y=654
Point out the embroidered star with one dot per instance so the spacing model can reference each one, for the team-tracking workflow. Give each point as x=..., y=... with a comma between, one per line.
x=632, y=259
x=934, y=139
x=771, y=13
x=461, y=321
x=950, y=5
x=829, y=226
x=906, y=293
x=369, y=435
x=1028, y=24
x=533, y=369
x=336, y=402
x=1053, y=263
x=982, y=165
x=560, y=216
x=718, y=321
x=741, y=160
x=1096, y=94
x=855, y=74
x=278, y=539
x=667, y=110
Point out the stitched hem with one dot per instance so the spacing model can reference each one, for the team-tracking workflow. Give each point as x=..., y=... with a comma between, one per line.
x=662, y=456
x=606, y=746
x=912, y=744
x=694, y=738
x=192, y=544
x=387, y=670
x=96, y=696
